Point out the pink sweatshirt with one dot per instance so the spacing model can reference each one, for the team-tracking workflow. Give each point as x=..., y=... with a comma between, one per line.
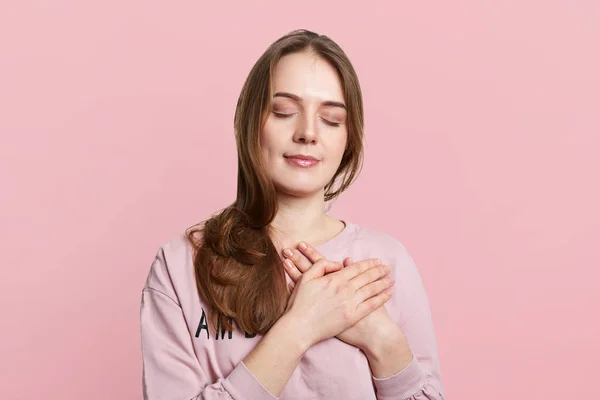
x=183, y=361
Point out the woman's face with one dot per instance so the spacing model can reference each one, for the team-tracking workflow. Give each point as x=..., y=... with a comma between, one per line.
x=307, y=118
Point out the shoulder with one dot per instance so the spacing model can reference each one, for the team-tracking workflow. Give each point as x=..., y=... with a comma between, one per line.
x=380, y=242
x=409, y=292
x=372, y=243
x=175, y=250
x=172, y=266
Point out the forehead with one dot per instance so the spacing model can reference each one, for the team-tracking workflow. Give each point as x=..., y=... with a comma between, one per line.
x=308, y=76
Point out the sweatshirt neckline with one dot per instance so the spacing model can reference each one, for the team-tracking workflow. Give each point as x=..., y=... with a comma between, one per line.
x=341, y=239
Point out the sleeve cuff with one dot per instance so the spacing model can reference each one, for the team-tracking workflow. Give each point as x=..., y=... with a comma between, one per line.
x=242, y=385
x=402, y=385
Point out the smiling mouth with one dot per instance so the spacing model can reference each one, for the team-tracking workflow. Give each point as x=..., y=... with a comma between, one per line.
x=302, y=162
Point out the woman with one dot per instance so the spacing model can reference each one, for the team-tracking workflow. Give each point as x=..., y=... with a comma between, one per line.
x=239, y=308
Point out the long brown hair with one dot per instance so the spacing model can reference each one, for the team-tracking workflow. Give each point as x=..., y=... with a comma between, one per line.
x=237, y=267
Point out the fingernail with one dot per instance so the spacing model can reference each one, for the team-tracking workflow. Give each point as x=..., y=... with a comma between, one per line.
x=377, y=261
x=302, y=245
x=288, y=252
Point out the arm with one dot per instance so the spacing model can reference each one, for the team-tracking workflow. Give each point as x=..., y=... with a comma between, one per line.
x=402, y=366
x=403, y=358
x=171, y=369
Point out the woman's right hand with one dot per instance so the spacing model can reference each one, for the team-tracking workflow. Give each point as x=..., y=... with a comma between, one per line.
x=327, y=299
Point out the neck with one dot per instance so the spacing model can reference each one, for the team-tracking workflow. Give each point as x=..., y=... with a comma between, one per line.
x=300, y=219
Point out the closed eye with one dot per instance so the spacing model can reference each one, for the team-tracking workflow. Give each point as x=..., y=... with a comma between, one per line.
x=331, y=123
x=282, y=115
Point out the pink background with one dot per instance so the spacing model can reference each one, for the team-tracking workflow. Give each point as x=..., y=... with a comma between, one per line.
x=482, y=158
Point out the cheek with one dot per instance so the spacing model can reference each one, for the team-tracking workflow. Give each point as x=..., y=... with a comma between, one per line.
x=270, y=142
x=337, y=145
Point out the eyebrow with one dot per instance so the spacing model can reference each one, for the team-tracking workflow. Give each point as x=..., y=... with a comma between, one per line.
x=329, y=103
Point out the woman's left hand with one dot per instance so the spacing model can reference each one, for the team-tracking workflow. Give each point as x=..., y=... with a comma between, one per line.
x=365, y=334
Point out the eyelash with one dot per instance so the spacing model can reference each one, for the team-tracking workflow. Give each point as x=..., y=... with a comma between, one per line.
x=283, y=116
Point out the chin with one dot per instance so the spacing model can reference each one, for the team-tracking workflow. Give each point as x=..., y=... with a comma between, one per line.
x=298, y=190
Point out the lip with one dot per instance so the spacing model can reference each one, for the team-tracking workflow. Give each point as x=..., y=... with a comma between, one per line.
x=302, y=157
x=302, y=160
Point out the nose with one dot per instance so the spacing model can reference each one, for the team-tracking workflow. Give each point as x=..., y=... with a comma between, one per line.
x=306, y=131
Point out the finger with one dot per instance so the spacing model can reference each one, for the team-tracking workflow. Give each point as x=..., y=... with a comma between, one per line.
x=373, y=289
x=291, y=286
x=312, y=255
x=291, y=269
x=299, y=260
x=347, y=262
x=370, y=275
x=368, y=306
x=321, y=268
x=310, y=252
x=360, y=267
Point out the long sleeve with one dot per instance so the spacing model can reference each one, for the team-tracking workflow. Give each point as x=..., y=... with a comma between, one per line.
x=421, y=379
x=171, y=370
